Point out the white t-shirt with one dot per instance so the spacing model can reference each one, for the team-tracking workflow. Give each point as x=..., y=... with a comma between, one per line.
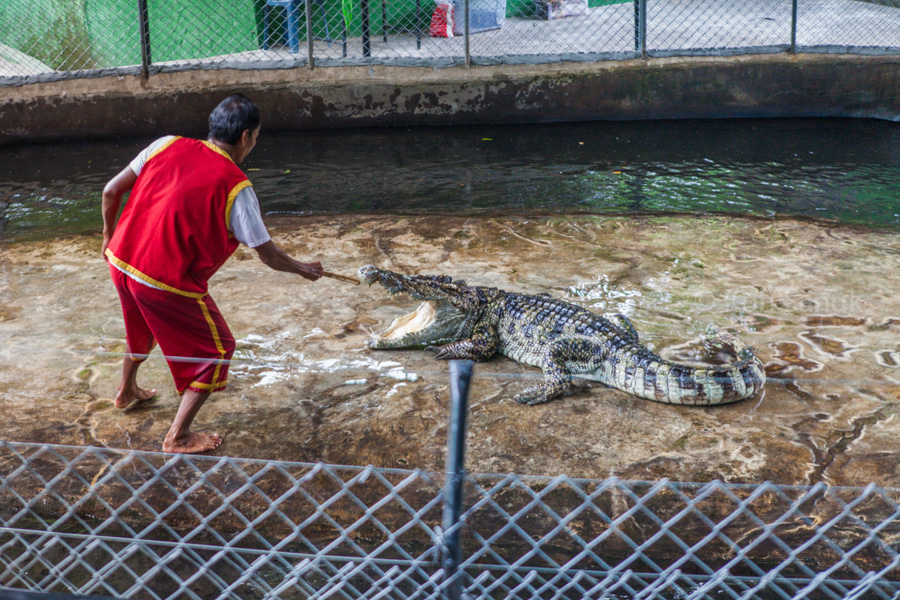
x=246, y=220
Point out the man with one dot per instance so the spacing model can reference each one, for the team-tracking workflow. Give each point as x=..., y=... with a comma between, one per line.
x=190, y=207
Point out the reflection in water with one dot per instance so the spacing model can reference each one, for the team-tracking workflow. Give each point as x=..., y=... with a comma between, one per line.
x=838, y=169
x=788, y=357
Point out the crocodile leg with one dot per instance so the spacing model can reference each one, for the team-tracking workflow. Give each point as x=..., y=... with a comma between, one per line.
x=480, y=347
x=559, y=360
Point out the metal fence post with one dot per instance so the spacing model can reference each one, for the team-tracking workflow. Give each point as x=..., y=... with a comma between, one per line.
x=144, y=32
x=637, y=25
x=460, y=374
x=466, y=16
x=418, y=25
x=794, y=26
x=309, y=36
x=364, y=23
x=642, y=28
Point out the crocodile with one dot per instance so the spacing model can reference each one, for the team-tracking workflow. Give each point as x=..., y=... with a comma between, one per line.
x=459, y=321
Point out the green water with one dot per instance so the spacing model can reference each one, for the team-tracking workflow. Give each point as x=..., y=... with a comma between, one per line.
x=843, y=170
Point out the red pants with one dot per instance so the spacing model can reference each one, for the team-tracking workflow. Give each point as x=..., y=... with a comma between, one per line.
x=191, y=333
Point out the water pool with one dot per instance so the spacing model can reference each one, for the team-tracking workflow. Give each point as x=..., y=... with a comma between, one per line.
x=834, y=169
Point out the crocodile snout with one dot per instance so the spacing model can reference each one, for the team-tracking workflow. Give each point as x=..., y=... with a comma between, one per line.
x=368, y=273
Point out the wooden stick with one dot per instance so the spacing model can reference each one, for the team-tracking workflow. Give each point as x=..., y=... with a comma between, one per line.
x=353, y=280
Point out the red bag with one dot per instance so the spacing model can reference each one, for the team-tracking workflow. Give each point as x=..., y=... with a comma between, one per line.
x=442, y=21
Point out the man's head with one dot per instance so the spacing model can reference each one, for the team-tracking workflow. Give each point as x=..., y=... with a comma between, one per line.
x=235, y=122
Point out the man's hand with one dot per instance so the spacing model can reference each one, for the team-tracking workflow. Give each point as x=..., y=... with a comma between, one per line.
x=106, y=239
x=274, y=257
x=313, y=270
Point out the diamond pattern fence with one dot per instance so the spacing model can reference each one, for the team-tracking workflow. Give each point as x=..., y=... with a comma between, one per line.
x=46, y=39
x=97, y=521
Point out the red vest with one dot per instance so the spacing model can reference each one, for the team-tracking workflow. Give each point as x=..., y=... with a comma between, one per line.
x=173, y=232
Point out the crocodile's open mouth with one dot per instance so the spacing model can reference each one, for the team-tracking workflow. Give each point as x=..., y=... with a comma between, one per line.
x=432, y=323
x=414, y=322
x=435, y=322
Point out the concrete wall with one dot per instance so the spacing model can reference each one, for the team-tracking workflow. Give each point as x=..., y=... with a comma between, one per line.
x=753, y=86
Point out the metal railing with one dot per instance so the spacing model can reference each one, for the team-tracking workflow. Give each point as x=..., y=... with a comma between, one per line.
x=88, y=520
x=67, y=40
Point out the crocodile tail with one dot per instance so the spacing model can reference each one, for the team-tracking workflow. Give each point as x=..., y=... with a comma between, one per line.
x=717, y=385
x=673, y=383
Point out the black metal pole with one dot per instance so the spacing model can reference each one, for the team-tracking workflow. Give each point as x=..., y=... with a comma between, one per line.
x=364, y=18
x=466, y=32
x=637, y=25
x=460, y=374
x=144, y=30
x=794, y=26
x=642, y=28
x=418, y=25
x=310, y=40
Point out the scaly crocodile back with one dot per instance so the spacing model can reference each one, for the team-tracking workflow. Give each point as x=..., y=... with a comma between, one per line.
x=601, y=350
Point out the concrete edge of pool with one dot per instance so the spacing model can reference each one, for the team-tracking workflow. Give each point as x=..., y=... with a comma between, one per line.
x=781, y=85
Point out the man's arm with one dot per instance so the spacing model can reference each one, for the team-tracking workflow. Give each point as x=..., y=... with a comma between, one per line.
x=276, y=258
x=117, y=187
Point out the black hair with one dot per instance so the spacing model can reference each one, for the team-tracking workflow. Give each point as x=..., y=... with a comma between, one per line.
x=234, y=115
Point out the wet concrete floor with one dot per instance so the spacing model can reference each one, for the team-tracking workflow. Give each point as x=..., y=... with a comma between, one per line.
x=818, y=302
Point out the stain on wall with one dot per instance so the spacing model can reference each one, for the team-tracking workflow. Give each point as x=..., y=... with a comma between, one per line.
x=670, y=88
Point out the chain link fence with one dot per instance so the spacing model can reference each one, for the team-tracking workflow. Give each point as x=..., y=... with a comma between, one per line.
x=88, y=520
x=52, y=39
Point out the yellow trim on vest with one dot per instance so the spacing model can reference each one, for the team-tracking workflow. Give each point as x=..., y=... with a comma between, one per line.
x=215, y=148
x=209, y=387
x=163, y=147
x=215, y=333
x=230, y=202
x=126, y=267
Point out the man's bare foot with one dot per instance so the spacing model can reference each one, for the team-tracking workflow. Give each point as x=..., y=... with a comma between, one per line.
x=134, y=394
x=192, y=443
